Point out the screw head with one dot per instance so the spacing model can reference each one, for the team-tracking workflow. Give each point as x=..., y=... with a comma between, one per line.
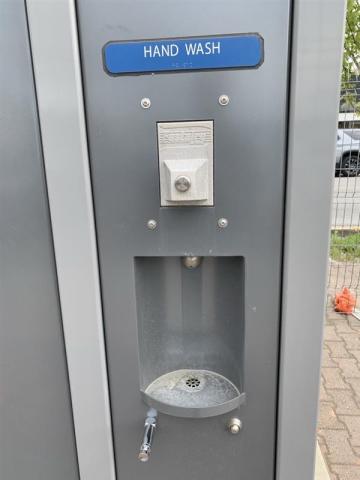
x=152, y=224
x=234, y=425
x=224, y=100
x=182, y=184
x=223, y=222
x=145, y=103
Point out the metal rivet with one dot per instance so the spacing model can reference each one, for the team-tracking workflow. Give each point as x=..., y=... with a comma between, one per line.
x=182, y=183
x=234, y=425
x=152, y=224
x=223, y=222
x=224, y=100
x=145, y=103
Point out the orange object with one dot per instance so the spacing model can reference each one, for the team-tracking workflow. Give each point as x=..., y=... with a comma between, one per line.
x=345, y=301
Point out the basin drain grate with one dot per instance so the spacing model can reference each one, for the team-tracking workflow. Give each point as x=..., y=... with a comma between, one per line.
x=193, y=382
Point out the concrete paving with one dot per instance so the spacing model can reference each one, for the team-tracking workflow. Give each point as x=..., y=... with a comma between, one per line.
x=321, y=471
x=339, y=416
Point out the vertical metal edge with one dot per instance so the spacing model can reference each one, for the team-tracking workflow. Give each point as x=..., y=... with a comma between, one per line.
x=54, y=44
x=317, y=42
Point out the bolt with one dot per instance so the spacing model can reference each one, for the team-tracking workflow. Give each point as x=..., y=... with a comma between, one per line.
x=182, y=184
x=145, y=103
x=224, y=100
x=223, y=222
x=234, y=425
x=234, y=429
x=152, y=224
x=191, y=262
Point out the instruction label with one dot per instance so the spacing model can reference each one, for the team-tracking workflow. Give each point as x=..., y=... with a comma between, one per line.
x=178, y=54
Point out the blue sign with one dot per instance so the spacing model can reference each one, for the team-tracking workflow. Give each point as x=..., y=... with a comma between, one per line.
x=177, y=54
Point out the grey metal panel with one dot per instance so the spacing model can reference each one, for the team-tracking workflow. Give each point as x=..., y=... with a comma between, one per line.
x=249, y=177
x=36, y=427
x=54, y=45
x=317, y=46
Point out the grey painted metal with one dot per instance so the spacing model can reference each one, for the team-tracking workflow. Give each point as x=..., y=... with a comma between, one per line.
x=314, y=101
x=36, y=427
x=250, y=136
x=58, y=83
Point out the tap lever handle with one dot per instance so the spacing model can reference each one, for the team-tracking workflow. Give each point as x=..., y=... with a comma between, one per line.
x=149, y=430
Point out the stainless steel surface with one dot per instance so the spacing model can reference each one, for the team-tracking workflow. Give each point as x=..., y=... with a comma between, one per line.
x=54, y=45
x=182, y=183
x=192, y=262
x=149, y=431
x=223, y=222
x=152, y=224
x=145, y=103
x=193, y=393
x=234, y=425
x=317, y=45
x=224, y=100
x=190, y=319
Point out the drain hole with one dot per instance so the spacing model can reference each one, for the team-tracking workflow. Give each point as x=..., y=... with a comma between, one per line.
x=192, y=382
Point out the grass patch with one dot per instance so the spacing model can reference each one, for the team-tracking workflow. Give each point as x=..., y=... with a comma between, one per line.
x=345, y=247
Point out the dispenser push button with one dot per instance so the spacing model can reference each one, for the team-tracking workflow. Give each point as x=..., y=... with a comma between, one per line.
x=186, y=163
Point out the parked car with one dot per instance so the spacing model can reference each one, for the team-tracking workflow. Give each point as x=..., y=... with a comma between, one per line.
x=347, y=153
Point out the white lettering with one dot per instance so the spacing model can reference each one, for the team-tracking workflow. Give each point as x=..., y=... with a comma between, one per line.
x=216, y=47
x=208, y=49
x=170, y=50
x=147, y=50
x=190, y=48
x=165, y=50
x=156, y=51
x=174, y=49
x=199, y=49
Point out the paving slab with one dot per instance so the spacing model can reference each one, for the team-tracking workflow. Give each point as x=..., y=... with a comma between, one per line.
x=337, y=349
x=333, y=379
x=339, y=414
x=321, y=472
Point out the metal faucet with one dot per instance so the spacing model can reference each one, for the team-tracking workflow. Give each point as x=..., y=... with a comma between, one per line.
x=149, y=430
